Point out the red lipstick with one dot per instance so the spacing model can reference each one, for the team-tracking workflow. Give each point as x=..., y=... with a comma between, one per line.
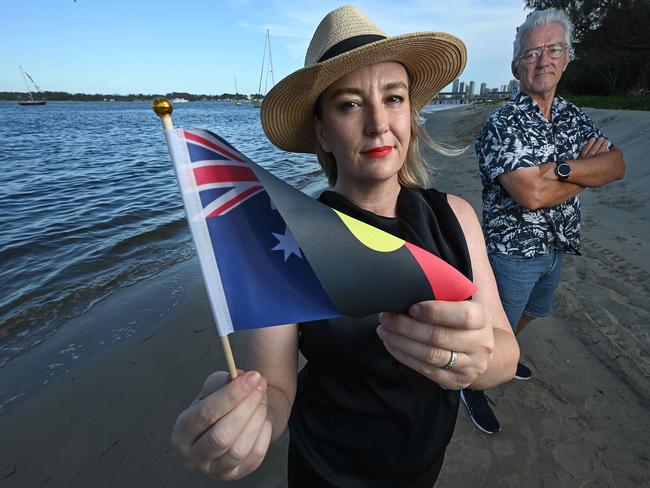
x=379, y=152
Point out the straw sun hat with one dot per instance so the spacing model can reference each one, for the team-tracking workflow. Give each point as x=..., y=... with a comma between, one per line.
x=346, y=40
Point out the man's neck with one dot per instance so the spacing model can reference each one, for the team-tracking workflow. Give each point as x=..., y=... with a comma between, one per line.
x=545, y=102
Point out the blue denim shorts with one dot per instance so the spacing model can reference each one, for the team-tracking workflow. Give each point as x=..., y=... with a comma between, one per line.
x=526, y=285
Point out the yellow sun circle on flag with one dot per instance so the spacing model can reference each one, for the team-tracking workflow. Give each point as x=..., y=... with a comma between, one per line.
x=374, y=238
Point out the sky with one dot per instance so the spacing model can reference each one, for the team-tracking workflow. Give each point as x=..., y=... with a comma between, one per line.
x=203, y=46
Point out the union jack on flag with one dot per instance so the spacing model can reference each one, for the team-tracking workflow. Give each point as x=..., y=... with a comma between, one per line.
x=223, y=178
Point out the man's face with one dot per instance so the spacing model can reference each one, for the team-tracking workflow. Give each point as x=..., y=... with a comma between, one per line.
x=539, y=79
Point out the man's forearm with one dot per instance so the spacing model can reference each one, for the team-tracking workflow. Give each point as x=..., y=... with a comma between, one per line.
x=538, y=187
x=593, y=171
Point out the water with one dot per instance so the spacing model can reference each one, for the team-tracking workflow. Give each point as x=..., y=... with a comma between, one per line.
x=90, y=203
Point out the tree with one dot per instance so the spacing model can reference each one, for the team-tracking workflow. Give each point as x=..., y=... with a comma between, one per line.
x=611, y=45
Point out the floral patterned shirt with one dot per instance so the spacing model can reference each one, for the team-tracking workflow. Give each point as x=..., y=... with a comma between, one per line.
x=518, y=136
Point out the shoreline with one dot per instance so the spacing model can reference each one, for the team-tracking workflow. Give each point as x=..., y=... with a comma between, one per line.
x=104, y=418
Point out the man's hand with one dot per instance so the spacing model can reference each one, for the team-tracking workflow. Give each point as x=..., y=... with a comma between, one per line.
x=594, y=146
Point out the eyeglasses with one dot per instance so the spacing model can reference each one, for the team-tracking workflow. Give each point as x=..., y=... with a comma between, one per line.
x=554, y=50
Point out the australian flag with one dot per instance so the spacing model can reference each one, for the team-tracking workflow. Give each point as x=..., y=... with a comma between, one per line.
x=255, y=272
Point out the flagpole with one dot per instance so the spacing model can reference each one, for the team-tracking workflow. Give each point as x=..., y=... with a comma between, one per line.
x=163, y=109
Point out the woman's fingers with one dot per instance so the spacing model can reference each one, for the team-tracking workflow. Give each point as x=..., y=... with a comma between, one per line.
x=424, y=340
x=247, y=451
x=449, y=379
x=425, y=356
x=200, y=416
x=437, y=351
x=453, y=315
x=214, y=382
x=218, y=440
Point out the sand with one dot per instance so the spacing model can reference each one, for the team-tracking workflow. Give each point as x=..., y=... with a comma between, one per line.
x=582, y=420
x=94, y=405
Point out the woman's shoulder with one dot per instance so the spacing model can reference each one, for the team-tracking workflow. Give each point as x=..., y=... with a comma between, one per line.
x=466, y=215
x=459, y=206
x=458, y=203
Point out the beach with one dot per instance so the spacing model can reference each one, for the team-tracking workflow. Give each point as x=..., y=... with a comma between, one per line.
x=103, y=399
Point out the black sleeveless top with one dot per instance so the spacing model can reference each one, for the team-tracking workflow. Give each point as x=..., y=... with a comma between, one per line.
x=361, y=418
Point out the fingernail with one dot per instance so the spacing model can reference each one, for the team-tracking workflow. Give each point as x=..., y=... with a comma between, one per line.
x=384, y=319
x=415, y=311
x=251, y=380
x=261, y=386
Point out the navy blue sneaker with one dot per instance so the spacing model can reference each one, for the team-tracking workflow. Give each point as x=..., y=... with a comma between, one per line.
x=523, y=373
x=479, y=411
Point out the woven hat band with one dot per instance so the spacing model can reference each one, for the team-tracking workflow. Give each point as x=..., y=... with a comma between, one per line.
x=348, y=44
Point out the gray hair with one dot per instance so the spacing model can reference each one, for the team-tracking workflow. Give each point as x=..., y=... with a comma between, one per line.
x=539, y=18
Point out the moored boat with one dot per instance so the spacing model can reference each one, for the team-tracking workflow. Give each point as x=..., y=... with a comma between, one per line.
x=30, y=100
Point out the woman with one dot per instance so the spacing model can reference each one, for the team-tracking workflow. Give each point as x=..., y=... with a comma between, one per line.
x=377, y=401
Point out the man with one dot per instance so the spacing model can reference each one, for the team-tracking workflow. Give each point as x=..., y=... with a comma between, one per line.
x=536, y=154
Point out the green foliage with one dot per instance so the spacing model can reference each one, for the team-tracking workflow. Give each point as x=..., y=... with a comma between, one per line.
x=611, y=44
x=612, y=102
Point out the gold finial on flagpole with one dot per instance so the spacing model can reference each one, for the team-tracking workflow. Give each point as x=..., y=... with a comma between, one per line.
x=163, y=109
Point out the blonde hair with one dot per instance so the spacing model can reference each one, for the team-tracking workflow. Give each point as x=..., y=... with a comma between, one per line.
x=415, y=172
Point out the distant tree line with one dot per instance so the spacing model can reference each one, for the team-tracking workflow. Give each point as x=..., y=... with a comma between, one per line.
x=611, y=43
x=59, y=96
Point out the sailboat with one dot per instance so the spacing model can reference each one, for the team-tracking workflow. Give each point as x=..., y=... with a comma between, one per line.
x=237, y=100
x=30, y=100
x=257, y=102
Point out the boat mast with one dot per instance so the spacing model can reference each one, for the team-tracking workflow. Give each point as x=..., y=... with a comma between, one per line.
x=268, y=37
x=267, y=45
x=25, y=76
x=237, y=99
x=259, y=87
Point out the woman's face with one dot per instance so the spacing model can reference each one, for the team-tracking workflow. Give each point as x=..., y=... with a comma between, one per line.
x=366, y=123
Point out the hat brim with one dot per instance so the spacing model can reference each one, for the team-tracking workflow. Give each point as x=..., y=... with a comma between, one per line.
x=432, y=60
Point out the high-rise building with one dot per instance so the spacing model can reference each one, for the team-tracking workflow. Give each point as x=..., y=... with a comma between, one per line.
x=461, y=87
x=455, y=85
x=483, y=88
x=472, y=88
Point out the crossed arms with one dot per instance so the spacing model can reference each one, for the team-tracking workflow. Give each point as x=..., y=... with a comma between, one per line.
x=538, y=187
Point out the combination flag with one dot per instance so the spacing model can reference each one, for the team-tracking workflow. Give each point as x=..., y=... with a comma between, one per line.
x=272, y=255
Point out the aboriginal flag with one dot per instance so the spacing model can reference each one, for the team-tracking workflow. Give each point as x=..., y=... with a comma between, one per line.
x=272, y=255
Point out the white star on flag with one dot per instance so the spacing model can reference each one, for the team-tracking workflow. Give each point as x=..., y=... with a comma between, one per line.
x=287, y=243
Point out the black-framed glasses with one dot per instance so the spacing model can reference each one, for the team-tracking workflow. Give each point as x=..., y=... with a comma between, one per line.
x=532, y=55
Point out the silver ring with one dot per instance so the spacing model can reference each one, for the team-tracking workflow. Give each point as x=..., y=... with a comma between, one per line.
x=452, y=360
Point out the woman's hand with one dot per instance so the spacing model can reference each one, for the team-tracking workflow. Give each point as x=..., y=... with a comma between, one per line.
x=225, y=433
x=425, y=338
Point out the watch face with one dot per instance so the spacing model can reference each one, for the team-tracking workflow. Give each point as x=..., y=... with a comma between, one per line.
x=563, y=170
